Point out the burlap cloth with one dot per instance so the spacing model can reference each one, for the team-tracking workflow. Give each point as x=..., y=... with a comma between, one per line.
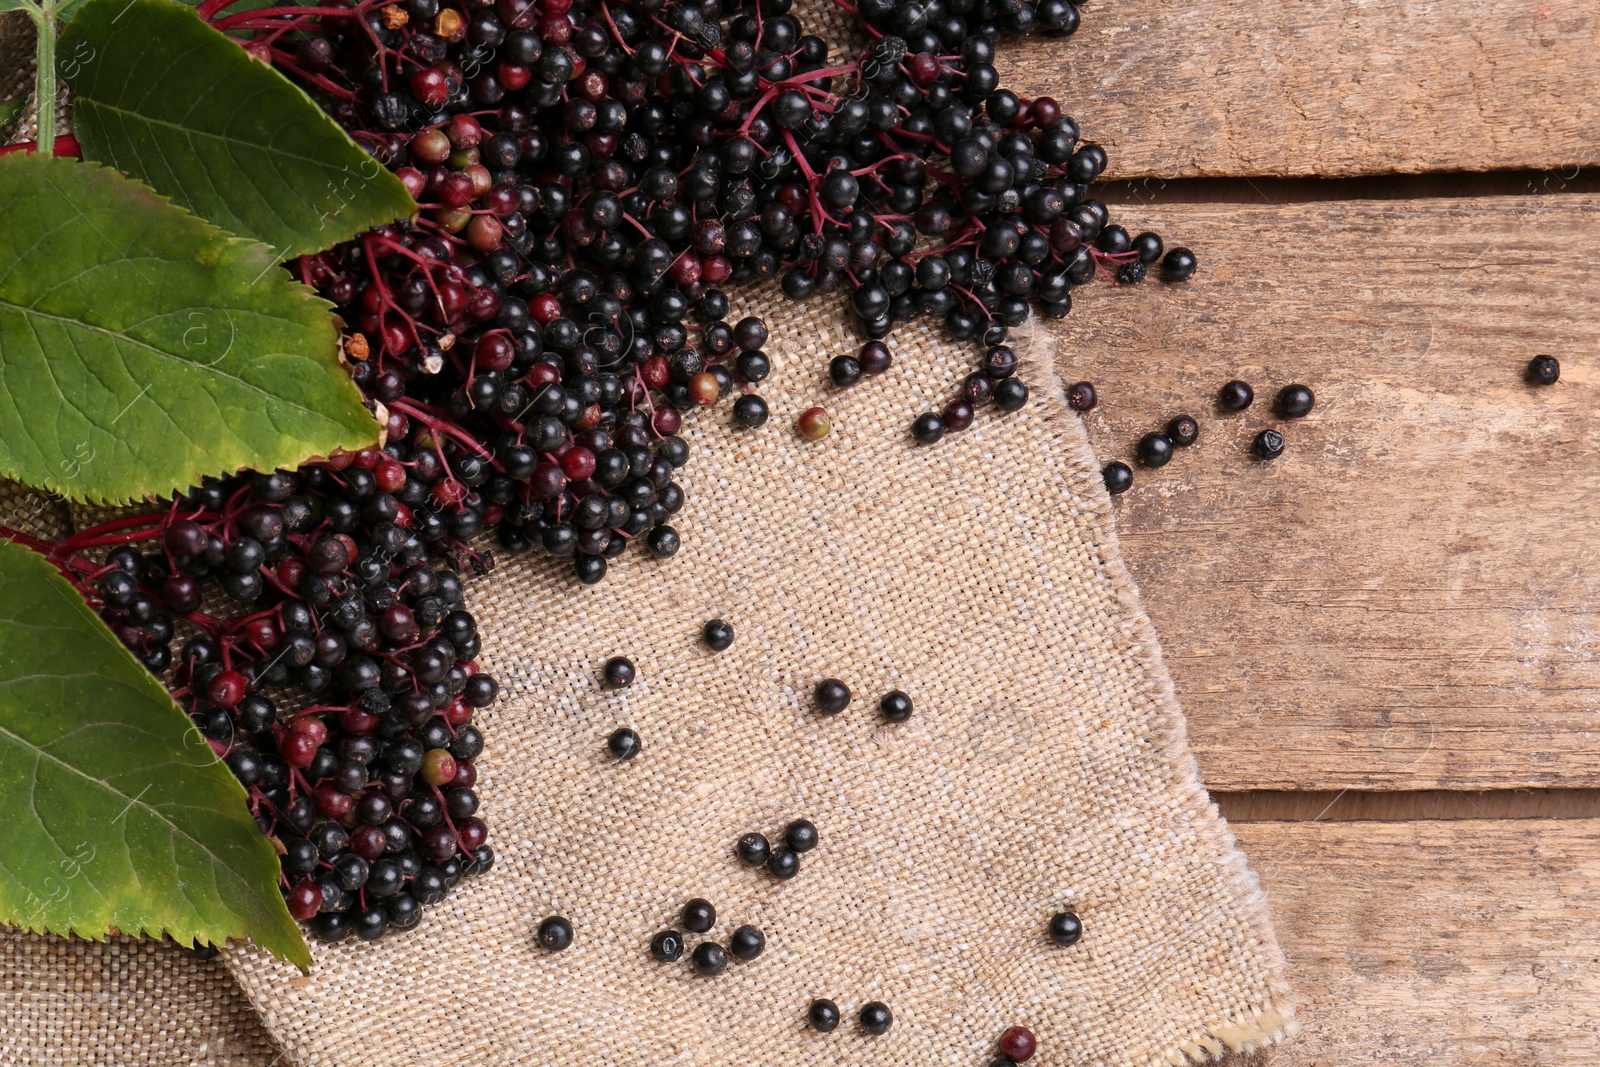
x=1045, y=767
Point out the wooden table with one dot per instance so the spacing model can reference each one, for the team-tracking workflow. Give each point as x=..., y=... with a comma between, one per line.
x=1388, y=640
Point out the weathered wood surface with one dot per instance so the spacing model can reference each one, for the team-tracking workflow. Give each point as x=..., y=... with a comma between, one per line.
x=1346, y=805
x=1410, y=597
x=1469, y=944
x=1325, y=87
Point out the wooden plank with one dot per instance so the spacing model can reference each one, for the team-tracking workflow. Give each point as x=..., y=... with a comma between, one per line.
x=1433, y=943
x=1329, y=87
x=1349, y=805
x=1410, y=597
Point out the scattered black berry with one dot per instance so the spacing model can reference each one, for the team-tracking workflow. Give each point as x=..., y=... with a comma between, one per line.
x=699, y=916
x=1183, y=430
x=875, y=358
x=823, y=1016
x=1082, y=396
x=1155, y=449
x=1010, y=394
x=1268, y=444
x=876, y=1018
x=1118, y=477
x=1235, y=396
x=709, y=959
x=927, y=429
x=895, y=706
x=746, y=943
x=619, y=672
x=667, y=946
x=555, y=934
x=832, y=696
x=1178, y=265
x=800, y=835
x=717, y=635
x=783, y=864
x=1065, y=929
x=753, y=849
x=844, y=371
x=750, y=411
x=624, y=743
x=1544, y=370
x=1295, y=401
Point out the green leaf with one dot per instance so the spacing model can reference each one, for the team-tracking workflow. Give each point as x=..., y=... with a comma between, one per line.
x=118, y=816
x=11, y=109
x=169, y=100
x=142, y=348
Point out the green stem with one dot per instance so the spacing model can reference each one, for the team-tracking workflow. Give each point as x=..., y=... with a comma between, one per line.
x=44, y=19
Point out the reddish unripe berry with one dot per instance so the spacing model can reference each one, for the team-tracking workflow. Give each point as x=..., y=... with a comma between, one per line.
x=181, y=593
x=438, y=767
x=226, y=689
x=480, y=178
x=263, y=633
x=458, y=712
x=545, y=308
x=925, y=69
x=358, y=721
x=464, y=131
x=513, y=76
x=813, y=424
x=484, y=233
x=368, y=842
x=305, y=899
x=1018, y=1044
x=415, y=183
x=483, y=304
x=666, y=420
x=555, y=31
x=439, y=843
x=1045, y=112
x=466, y=775
x=310, y=726
x=446, y=493
x=686, y=269
x=656, y=372
x=714, y=270
x=367, y=459
x=185, y=538
x=958, y=414
x=297, y=749
x=577, y=463
x=431, y=87
x=456, y=191
x=502, y=200
x=494, y=352
x=593, y=85
x=473, y=832
x=548, y=481
x=543, y=374
x=396, y=338
x=389, y=475
x=517, y=14
x=332, y=803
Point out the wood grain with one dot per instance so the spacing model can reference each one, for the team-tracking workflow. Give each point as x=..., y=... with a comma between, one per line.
x=1410, y=597
x=1472, y=944
x=1325, y=87
x=1349, y=805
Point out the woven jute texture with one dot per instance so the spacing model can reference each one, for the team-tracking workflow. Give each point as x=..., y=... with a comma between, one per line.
x=1045, y=767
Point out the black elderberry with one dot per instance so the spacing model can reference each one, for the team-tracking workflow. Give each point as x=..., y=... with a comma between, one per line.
x=709, y=959
x=823, y=1016
x=1010, y=394
x=895, y=706
x=1178, y=265
x=555, y=934
x=750, y=411
x=619, y=672
x=1268, y=444
x=717, y=635
x=844, y=371
x=699, y=916
x=1065, y=928
x=1235, y=396
x=1544, y=370
x=746, y=943
x=800, y=835
x=1155, y=449
x=832, y=696
x=752, y=850
x=1183, y=430
x=667, y=946
x=1295, y=401
x=1081, y=396
x=624, y=743
x=783, y=864
x=1118, y=477
x=876, y=1018
x=928, y=429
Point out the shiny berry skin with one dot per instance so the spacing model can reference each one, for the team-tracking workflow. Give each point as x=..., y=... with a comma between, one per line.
x=717, y=635
x=844, y=371
x=1118, y=477
x=226, y=689
x=823, y=1016
x=750, y=411
x=895, y=706
x=305, y=900
x=875, y=358
x=928, y=429
x=1268, y=444
x=813, y=424
x=800, y=835
x=703, y=389
x=1010, y=394
x=1183, y=430
x=832, y=696
x=1295, y=401
x=699, y=916
x=1178, y=265
x=753, y=849
x=619, y=672
x=555, y=934
x=1065, y=928
x=624, y=744
x=1081, y=396
x=876, y=1018
x=1235, y=396
x=709, y=959
x=1018, y=1045
x=958, y=414
x=1155, y=449
x=783, y=864
x=746, y=943
x=1544, y=370
x=667, y=946
x=1000, y=362
x=438, y=767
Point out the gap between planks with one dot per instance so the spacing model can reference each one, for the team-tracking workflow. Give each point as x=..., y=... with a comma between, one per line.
x=1350, y=805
